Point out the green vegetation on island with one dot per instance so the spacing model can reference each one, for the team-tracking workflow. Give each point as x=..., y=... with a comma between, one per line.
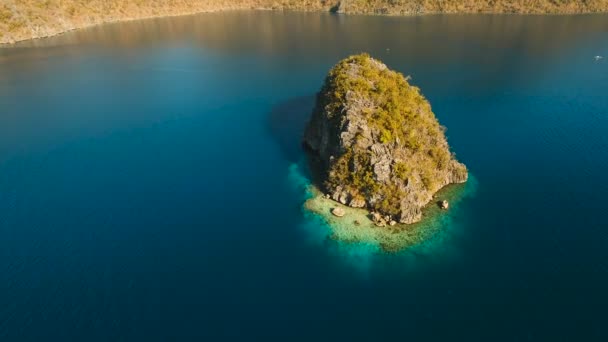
x=376, y=144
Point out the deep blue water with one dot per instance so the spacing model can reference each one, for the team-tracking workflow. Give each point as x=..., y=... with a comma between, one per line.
x=147, y=190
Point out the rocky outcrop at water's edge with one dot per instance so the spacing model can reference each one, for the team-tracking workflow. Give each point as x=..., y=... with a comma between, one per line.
x=374, y=143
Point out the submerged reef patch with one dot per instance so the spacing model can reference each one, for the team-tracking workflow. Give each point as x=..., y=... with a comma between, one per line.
x=356, y=227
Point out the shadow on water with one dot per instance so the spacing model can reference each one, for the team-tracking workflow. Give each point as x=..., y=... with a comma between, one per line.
x=287, y=121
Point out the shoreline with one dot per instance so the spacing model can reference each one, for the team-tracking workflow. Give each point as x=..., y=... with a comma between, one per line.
x=4, y=42
x=111, y=21
x=356, y=226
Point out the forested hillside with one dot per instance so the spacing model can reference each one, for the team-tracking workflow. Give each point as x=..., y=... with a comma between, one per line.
x=26, y=19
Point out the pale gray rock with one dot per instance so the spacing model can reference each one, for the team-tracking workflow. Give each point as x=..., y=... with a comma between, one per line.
x=339, y=212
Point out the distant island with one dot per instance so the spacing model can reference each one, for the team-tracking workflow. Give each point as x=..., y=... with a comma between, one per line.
x=28, y=19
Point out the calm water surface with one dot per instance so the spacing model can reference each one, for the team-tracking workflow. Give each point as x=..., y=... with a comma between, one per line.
x=151, y=183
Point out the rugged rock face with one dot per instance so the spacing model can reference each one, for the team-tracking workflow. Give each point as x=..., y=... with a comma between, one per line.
x=377, y=143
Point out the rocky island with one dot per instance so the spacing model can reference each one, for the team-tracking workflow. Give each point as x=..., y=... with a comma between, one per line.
x=375, y=144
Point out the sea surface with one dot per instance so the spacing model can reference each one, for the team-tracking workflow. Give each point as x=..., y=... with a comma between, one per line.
x=152, y=182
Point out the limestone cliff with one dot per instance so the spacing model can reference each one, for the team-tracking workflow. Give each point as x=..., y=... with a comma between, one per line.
x=376, y=142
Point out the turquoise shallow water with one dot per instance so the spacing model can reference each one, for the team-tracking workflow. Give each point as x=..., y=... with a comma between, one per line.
x=151, y=183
